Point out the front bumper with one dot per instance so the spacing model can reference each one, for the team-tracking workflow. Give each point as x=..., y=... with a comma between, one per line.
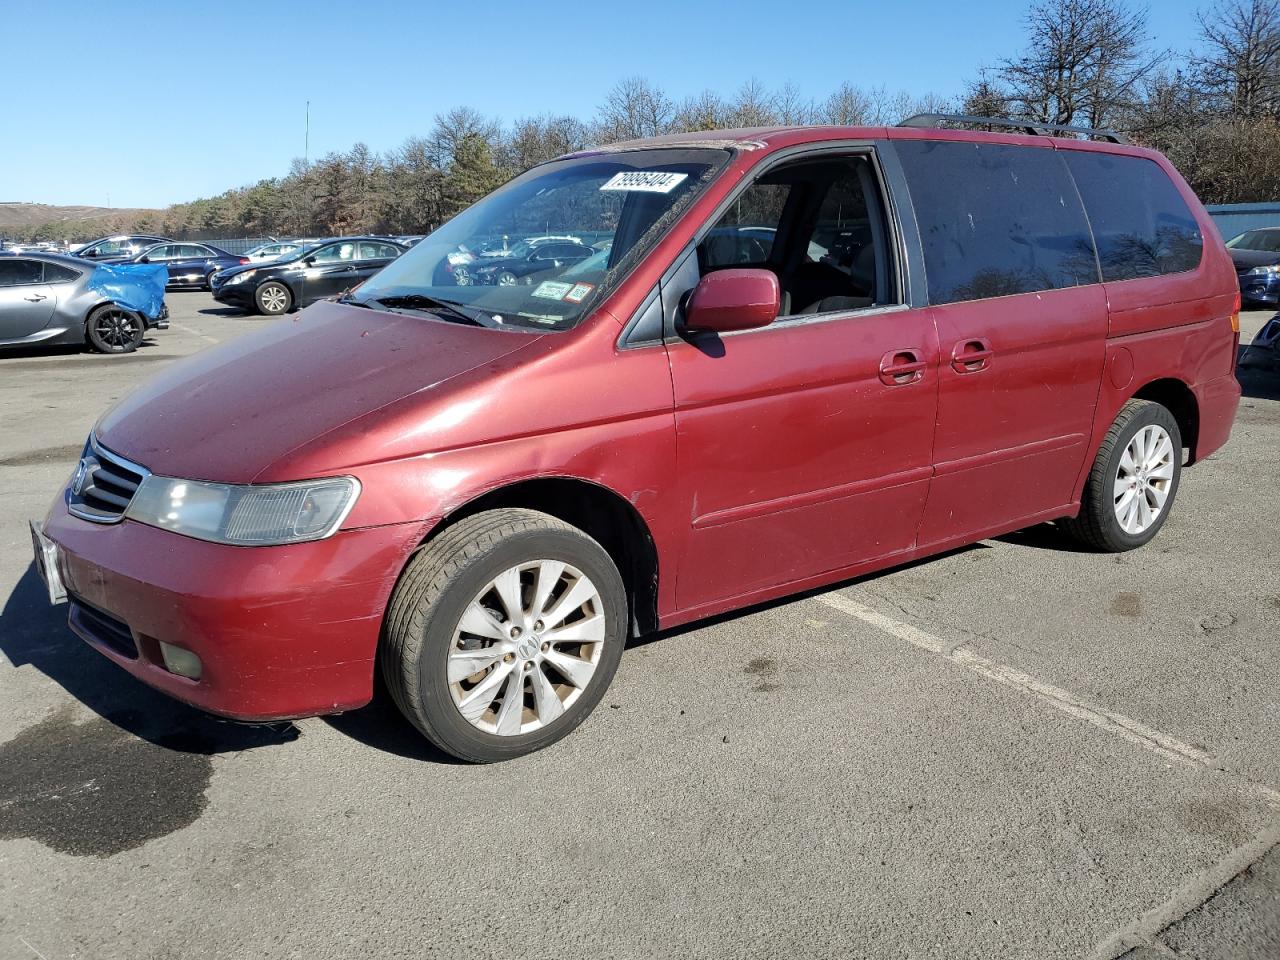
x=235, y=294
x=1259, y=289
x=281, y=632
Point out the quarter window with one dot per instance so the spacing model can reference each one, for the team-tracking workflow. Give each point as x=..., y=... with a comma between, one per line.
x=1142, y=225
x=996, y=220
x=56, y=273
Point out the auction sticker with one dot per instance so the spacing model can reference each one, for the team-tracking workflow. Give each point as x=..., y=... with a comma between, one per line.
x=579, y=292
x=645, y=181
x=552, y=289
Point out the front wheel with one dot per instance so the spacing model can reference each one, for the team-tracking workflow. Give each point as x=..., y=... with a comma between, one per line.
x=273, y=298
x=112, y=329
x=503, y=634
x=1131, y=488
x=507, y=279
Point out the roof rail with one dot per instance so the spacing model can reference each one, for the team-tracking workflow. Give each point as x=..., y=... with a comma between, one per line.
x=1034, y=127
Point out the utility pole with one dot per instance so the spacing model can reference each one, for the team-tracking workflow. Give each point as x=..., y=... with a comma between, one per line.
x=306, y=141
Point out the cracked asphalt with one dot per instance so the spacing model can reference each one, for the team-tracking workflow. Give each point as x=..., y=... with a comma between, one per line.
x=1016, y=750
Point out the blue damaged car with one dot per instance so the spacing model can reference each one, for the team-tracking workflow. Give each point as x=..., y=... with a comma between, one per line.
x=49, y=299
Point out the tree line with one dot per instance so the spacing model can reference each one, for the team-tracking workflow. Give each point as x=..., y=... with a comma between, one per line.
x=1214, y=110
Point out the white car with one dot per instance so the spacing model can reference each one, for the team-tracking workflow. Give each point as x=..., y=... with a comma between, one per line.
x=273, y=251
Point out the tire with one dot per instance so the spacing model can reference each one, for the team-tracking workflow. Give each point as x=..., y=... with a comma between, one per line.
x=112, y=329
x=273, y=298
x=506, y=279
x=208, y=280
x=1104, y=522
x=455, y=576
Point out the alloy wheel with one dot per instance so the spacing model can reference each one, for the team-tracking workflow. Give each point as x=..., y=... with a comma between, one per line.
x=274, y=298
x=115, y=328
x=1144, y=478
x=526, y=647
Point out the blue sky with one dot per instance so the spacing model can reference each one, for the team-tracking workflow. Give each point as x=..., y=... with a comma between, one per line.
x=154, y=103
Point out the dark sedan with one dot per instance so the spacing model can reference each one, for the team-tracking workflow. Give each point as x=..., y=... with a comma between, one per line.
x=1256, y=254
x=190, y=264
x=316, y=271
x=524, y=261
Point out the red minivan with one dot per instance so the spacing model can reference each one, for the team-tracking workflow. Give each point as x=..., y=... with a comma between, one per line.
x=783, y=358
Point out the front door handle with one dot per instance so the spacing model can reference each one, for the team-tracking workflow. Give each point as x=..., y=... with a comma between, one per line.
x=971, y=355
x=901, y=367
x=36, y=298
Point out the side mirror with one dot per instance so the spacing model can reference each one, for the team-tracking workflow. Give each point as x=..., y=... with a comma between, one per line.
x=309, y=261
x=145, y=260
x=728, y=300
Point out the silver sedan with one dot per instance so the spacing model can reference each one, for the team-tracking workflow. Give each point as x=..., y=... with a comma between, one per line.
x=46, y=298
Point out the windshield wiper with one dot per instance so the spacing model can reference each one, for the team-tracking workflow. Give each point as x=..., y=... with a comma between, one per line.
x=421, y=301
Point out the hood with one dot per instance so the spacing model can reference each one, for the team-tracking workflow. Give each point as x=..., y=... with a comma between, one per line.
x=1244, y=259
x=228, y=413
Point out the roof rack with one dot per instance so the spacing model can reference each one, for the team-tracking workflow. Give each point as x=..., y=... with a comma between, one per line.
x=1034, y=127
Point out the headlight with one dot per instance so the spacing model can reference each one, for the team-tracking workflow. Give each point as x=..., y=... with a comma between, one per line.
x=240, y=277
x=249, y=515
x=1270, y=271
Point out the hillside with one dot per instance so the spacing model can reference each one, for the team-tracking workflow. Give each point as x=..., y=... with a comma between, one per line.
x=36, y=214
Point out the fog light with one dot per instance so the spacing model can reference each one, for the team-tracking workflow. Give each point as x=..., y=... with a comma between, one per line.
x=180, y=661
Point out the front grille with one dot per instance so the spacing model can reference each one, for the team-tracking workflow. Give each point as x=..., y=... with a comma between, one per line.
x=102, y=628
x=104, y=485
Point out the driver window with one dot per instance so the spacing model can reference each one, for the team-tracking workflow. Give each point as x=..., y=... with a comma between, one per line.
x=819, y=225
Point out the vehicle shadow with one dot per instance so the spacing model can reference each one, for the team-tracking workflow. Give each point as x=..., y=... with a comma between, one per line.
x=382, y=726
x=35, y=634
x=223, y=312
x=796, y=597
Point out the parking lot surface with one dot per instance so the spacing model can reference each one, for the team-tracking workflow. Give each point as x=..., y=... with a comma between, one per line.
x=1018, y=749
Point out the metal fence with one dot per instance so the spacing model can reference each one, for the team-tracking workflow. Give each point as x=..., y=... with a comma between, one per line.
x=1233, y=219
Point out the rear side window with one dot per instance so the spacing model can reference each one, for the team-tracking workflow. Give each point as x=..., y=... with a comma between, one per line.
x=1142, y=225
x=996, y=220
x=55, y=273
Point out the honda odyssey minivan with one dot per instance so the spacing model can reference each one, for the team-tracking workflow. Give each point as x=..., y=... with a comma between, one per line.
x=482, y=491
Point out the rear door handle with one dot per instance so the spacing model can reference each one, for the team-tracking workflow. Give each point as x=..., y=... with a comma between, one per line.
x=901, y=367
x=971, y=355
x=36, y=298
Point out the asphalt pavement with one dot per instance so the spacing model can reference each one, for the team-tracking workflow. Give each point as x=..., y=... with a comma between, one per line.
x=1015, y=750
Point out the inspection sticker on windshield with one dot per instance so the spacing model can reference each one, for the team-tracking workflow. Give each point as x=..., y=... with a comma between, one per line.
x=552, y=290
x=645, y=181
x=579, y=292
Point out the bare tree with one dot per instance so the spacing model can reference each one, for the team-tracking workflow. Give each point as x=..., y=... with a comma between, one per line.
x=1084, y=61
x=460, y=125
x=848, y=106
x=706, y=111
x=634, y=108
x=1240, y=65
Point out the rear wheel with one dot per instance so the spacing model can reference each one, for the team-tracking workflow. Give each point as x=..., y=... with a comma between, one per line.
x=273, y=298
x=1130, y=490
x=506, y=279
x=112, y=329
x=503, y=634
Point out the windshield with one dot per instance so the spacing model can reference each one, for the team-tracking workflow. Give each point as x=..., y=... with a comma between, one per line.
x=1267, y=241
x=541, y=251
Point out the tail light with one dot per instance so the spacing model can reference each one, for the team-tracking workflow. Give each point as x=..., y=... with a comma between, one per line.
x=243, y=261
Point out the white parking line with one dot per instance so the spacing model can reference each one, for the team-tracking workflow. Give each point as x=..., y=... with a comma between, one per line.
x=195, y=333
x=1061, y=700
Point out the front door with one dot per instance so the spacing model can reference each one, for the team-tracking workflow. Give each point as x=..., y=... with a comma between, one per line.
x=1022, y=325
x=26, y=301
x=328, y=271
x=805, y=446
